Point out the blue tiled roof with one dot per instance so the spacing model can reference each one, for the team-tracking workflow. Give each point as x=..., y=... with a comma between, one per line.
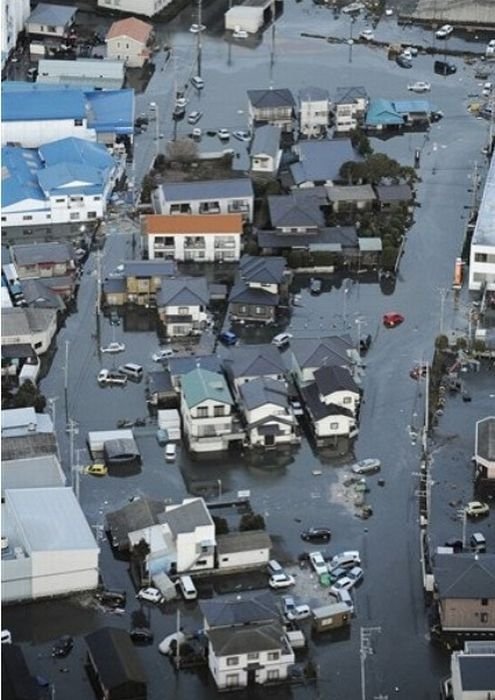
x=382, y=112
x=56, y=15
x=19, y=175
x=63, y=174
x=322, y=160
x=74, y=150
x=411, y=106
x=28, y=104
x=111, y=110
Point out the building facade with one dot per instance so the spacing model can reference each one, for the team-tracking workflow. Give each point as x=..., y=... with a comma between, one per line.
x=314, y=108
x=482, y=253
x=128, y=40
x=148, y=8
x=233, y=196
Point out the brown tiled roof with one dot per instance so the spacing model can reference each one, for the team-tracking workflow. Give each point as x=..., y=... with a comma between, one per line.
x=193, y=224
x=132, y=27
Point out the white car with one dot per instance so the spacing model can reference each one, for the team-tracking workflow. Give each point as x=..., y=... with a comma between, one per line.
x=444, y=31
x=194, y=117
x=151, y=595
x=6, y=637
x=318, y=563
x=165, y=646
x=281, y=339
x=170, y=452
x=345, y=583
x=197, y=82
x=197, y=28
x=242, y=135
x=366, y=466
x=162, y=354
x=367, y=35
x=113, y=347
x=299, y=612
x=223, y=134
x=476, y=508
x=197, y=133
x=281, y=581
x=345, y=559
x=487, y=88
x=419, y=86
x=239, y=34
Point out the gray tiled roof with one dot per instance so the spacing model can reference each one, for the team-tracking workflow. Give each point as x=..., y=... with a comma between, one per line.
x=227, y=642
x=187, y=516
x=312, y=94
x=255, y=361
x=114, y=285
x=19, y=321
x=39, y=295
x=322, y=160
x=316, y=352
x=241, y=293
x=486, y=439
x=186, y=291
x=334, y=378
x=477, y=673
x=48, y=13
x=140, y=513
x=266, y=141
x=29, y=446
x=265, y=270
x=316, y=408
x=289, y=211
x=465, y=575
x=394, y=193
x=351, y=193
x=159, y=382
x=228, y=613
x=263, y=99
x=340, y=237
x=264, y=390
x=30, y=254
x=207, y=189
x=349, y=95
x=243, y=541
x=149, y=268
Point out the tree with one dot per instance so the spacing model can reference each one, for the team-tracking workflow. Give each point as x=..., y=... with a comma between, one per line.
x=252, y=521
x=441, y=342
x=221, y=525
x=389, y=257
x=360, y=142
x=27, y=395
x=147, y=187
x=182, y=150
x=140, y=551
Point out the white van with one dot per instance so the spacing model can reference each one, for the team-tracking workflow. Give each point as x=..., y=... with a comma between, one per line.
x=187, y=587
x=132, y=371
x=281, y=339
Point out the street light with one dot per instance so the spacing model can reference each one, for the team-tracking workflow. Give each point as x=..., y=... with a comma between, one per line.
x=219, y=482
x=156, y=109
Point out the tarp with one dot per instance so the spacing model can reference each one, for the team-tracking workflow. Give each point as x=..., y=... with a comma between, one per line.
x=165, y=586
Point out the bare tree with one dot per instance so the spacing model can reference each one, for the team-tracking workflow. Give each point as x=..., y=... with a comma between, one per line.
x=182, y=150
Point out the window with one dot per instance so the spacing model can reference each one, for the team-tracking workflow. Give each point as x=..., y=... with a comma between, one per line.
x=96, y=198
x=232, y=661
x=74, y=216
x=483, y=616
x=4, y=218
x=27, y=218
x=27, y=231
x=218, y=411
x=201, y=562
x=232, y=679
x=183, y=311
x=334, y=426
x=127, y=46
x=38, y=345
x=347, y=399
x=273, y=655
x=252, y=656
x=258, y=310
x=480, y=257
x=484, y=601
x=202, y=412
x=272, y=675
x=51, y=29
x=91, y=215
x=78, y=122
x=60, y=199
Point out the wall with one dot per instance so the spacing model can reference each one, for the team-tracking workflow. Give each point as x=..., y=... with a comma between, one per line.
x=32, y=134
x=480, y=272
x=60, y=572
x=465, y=614
x=346, y=399
x=240, y=560
x=137, y=7
x=41, y=339
x=188, y=545
x=126, y=49
x=344, y=424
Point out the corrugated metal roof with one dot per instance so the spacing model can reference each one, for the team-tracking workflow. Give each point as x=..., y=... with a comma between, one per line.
x=30, y=104
x=207, y=189
x=82, y=72
x=484, y=231
x=266, y=141
x=273, y=97
x=55, y=15
x=201, y=385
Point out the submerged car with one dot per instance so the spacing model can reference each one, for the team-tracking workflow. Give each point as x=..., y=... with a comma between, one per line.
x=316, y=534
x=300, y=612
x=170, y=452
x=366, y=466
x=194, y=117
x=281, y=581
x=242, y=135
x=475, y=509
x=162, y=354
x=419, y=86
x=63, y=647
x=97, y=469
x=228, y=338
x=444, y=31
x=113, y=347
x=151, y=595
x=392, y=319
x=318, y=563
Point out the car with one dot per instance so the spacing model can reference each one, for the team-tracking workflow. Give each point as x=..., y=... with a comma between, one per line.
x=150, y=595
x=344, y=583
x=197, y=133
x=281, y=581
x=6, y=637
x=162, y=354
x=170, y=452
x=315, y=286
x=194, y=117
x=111, y=598
x=197, y=28
x=477, y=542
x=223, y=134
x=113, y=347
x=281, y=339
x=141, y=635
x=318, y=563
x=392, y=319
x=197, y=82
x=367, y=35
x=444, y=31
x=297, y=408
x=342, y=595
x=356, y=574
x=337, y=573
x=454, y=543
x=288, y=604
x=242, y=135
x=345, y=559
x=444, y=67
x=180, y=102
x=487, y=88
x=410, y=51
x=114, y=318
x=274, y=567
x=108, y=377
x=366, y=466
x=475, y=509
x=228, y=338
x=404, y=61
x=63, y=647
x=419, y=86
x=169, y=644
x=161, y=437
x=239, y=33
x=97, y=469
x=300, y=612
x=316, y=533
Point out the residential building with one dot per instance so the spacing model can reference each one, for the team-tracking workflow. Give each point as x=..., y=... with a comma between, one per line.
x=35, y=114
x=43, y=260
x=273, y=106
x=482, y=252
x=179, y=366
x=250, y=16
x=248, y=304
x=138, y=282
x=248, y=362
x=268, y=416
x=193, y=238
x=329, y=422
x=320, y=161
x=342, y=241
x=472, y=672
x=465, y=591
x=309, y=354
x=265, y=152
x=484, y=450
x=296, y=214
x=350, y=107
x=114, y=665
x=33, y=472
x=19, y=363
x=52, y=548
x=351, y=198
x=261, y=286
x=35, y=327
x=336, y=386
x=89, y=72
x=129, y=40
x=314, y=108
x=51, y=21
x=148, y=8
x=219, y=613
x=140, y=514
x=393, y=196
x=206, y=409
x=17, y=681
x=13, y=17
x=182, y=306
x=238, y=551
x=396, y=114
x=27, y=434
x=232, y=196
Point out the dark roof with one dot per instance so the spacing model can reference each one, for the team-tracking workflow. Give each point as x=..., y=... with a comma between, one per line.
x=394, y=193
x=120, y=446
x=477, y=672
x=141, y=513
x=241, y=293
x=254, y=361
x=243, y=541
x=322, y=160
x=350, y=193
x=265, y=99
x=149, y=268
x=240, y=187
x=30, y=254
x=262, y=270
x=289, y=211
x=266, y=141
x=186, y=291
x=263, y=390
x=349, y=95
x=160, y=382
x=332, y=378
x=252, y=638
x=485, y=443
x=312, y=94
x=17, y=682
x=20, y=351
x=316, y=352
x=338, y=238
x=186, y=517
x=229, y=613
x=114, y=657
x=465, y=575
x=38, y=294
x=178, y=366
x=114, y=285
x=29, y=446
x=317, y=408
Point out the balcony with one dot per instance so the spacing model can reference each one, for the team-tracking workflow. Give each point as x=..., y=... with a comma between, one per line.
x=238, y=208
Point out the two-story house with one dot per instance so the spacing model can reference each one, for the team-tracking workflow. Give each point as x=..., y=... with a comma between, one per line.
x=193, y=237
x=307, y=355
x=207, y=411
x=246, y=643
x=484, y=451
x=52, y=263
x=248, y=362
x=138, y=282
x=272, y=106
x=465, y=592
x=336, y=386
x=472, y=672
x=350, y=107
x=265, y=152
x=228, y=196
x=182, y=306
x=314, y=108
x=129, y=40
x=261, y=286
x=319, y=162
x=267, y=413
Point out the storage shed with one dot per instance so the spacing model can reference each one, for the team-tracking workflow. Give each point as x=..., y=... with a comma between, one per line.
x=330, y=617
x=244, y=17
x=121, y=451
x=113, y=665
x=98, y=438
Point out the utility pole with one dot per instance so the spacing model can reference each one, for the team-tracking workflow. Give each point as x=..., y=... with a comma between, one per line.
x=52, y=408
x=272, y=55
x=426, y=425
x=475, y=183
x=73, y=430
x=66, y=383
x=198, y=55
x=77, y=470
x=365, y=649
x=177, y=657
x=98, y=282
x=443, y=295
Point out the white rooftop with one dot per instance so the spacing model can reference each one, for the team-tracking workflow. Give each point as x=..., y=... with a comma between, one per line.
x=25, y=421
x=484, y=232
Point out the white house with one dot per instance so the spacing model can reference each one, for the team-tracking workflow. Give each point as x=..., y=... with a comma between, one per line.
x=182, y=306
x=309, y=354
x=314, y=108
x=190, y=237
x=93, y=72
x=250, y=18
x=128, y=40
x=51, y=549
x=148, y=8
x=265, y=152
x=269, y=418
x=272, y=106
x=349, y=106
x=336, y=386
x=484, y=449
x=206, y=409
x=243, y=550
x=482, y=253
x=248, y=362
x=473, y=671
x=35, y=327
x=53, y=21
x=328, y=421
x=230, y=196
x=13, y=17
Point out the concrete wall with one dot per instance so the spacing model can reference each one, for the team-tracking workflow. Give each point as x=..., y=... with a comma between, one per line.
x=32, y=134
x=466, y=614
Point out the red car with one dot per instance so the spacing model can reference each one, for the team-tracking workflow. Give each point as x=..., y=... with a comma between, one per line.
x=392, y=319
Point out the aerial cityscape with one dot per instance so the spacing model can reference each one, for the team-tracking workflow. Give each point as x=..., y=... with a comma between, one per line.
x=248, y=349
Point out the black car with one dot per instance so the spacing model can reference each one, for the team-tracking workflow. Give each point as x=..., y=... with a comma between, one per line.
x=321, y=534
x=403, y=61
x=114, y=318
x=455, y=543
x=63, y=647
x=112, y=599
x=444, y=68
x=141, y=635
x=315, y=286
